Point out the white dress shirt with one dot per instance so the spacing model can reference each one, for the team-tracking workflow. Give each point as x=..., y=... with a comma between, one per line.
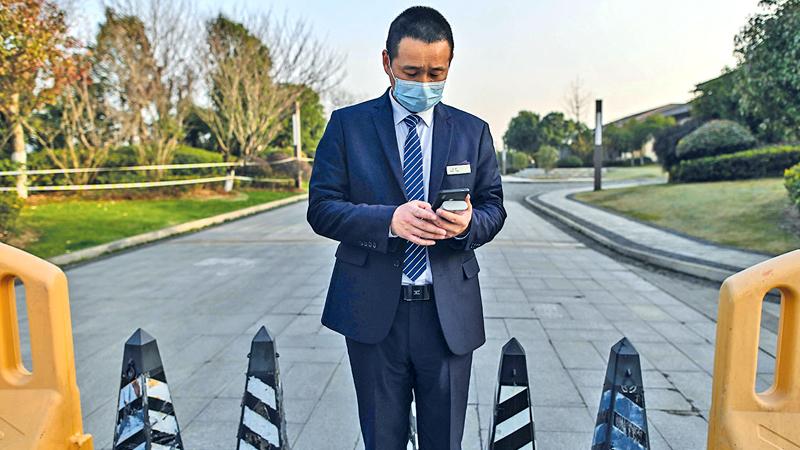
x=425, y=132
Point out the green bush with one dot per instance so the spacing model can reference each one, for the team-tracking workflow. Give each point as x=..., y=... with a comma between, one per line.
x=757, y=163
x=713, y=138
x=667, y=140
x=126, y=156
x=10, y=205
x=546, y=158
x=791, y=179
x=570, y=161
x=629, y=162
x=515, y=161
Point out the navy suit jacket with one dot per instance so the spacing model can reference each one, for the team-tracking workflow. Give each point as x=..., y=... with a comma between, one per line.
x=357, y=183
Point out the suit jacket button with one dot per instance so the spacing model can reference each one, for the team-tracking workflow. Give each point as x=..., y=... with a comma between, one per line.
x=396, y=263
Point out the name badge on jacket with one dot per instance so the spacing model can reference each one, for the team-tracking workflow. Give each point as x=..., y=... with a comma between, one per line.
x=459, y=169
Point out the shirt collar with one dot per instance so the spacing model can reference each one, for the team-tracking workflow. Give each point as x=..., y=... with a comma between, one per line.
x=400, y=113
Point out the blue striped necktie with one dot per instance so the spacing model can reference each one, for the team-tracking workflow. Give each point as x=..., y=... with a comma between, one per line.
x=414, y=261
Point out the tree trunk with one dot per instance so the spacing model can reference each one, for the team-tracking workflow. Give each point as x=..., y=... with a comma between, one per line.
x=19, y=154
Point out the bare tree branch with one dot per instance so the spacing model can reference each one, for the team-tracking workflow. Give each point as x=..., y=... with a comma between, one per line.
x=256, y=72
x=576, y=100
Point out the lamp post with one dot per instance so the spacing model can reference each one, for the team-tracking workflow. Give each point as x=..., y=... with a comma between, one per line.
x=297, y=144
x=598, y=145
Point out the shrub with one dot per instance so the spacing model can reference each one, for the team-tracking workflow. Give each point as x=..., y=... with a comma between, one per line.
x=518, y=160
x=628, y=162
x=126, y=156
x=570, y=161
x=515, y=161
x=757, y=163
x=546, y=157
x=713, y=138
x=791, y=179
x=667, y=140
x=10, y=205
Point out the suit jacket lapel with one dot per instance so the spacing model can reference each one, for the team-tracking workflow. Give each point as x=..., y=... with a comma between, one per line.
x=442, y=139
x=384, y=124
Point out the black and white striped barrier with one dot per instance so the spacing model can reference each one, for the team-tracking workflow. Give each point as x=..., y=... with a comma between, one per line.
x=413, y=439
x=263, y=424
x=512, y=423
x=621, y=416
x=145, y=414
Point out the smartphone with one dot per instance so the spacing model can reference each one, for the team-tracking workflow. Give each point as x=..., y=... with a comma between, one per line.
x=451, y=199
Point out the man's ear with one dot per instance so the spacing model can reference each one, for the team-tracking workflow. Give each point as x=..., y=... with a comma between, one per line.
x=386, y=62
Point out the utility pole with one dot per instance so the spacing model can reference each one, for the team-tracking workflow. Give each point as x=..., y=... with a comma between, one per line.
x=298, y=182
x=598, y=145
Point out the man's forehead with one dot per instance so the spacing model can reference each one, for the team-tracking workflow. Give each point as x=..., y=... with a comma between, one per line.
x=417, y=53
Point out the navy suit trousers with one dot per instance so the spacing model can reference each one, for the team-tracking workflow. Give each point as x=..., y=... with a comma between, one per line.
x=413, y=357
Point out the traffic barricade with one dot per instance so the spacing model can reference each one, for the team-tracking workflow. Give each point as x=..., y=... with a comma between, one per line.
x=740, y=417
x=621, y=416
x=40, y=408
x=512, y=424
x=262, y=425
x=145, y=413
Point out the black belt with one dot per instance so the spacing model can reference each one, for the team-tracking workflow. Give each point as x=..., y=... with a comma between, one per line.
x=412, y=293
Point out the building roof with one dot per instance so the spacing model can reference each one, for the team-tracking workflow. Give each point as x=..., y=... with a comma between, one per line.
x=670, y=110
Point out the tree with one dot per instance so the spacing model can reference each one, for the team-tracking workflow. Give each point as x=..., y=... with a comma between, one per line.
x=583, y=144
x=76, y=133
x=769, y=88
x=576, y=100
x=256, y=73
x=632, y=135
x=144, y=55
x=546, y=158
x=717, y=98
x=523, y=133
x=556, y=131
x=312, y=124
x=35, y=64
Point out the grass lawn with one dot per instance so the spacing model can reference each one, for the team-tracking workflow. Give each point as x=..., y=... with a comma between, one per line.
x=633, y=173
x=750, y=214
x=52, y=227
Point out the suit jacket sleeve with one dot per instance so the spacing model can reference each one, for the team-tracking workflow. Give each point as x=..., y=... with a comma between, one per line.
x=488, y=213
x=330, y=211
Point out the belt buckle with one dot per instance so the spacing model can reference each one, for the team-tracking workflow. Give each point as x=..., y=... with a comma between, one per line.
x=416, y=293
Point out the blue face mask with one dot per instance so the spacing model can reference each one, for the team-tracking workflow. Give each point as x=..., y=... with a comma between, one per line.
x=416, y=96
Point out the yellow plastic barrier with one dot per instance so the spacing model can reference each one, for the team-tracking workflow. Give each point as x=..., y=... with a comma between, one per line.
x=39, y=409
x=740, y=417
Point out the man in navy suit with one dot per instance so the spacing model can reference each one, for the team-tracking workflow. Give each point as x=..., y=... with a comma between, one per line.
x=404, y=290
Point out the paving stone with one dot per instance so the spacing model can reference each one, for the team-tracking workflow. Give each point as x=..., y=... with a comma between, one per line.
x=565, y=303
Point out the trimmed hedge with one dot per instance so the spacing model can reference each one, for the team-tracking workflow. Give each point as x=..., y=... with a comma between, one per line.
x=633, y=162
x=713, y=138
x=570, y=161
x=126, y=156
x=756, y=163
x=791, y=179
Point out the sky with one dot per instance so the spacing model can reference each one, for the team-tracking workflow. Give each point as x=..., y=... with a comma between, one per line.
x=523, y=54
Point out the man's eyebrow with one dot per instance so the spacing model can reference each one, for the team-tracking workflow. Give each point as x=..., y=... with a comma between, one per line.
x=410, y=67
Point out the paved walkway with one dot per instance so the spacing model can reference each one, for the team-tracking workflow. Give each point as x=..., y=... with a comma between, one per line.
x=204, y=295
x=651, y=237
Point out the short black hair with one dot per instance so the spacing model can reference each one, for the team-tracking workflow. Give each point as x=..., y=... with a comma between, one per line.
x=421, y=23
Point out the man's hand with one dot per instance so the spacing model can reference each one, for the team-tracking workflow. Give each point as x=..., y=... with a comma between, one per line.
x=454, y=222
x=414, y=221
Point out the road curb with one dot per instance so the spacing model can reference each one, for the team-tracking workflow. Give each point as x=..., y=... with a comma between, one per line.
x=151, y=236
x=619, y=244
